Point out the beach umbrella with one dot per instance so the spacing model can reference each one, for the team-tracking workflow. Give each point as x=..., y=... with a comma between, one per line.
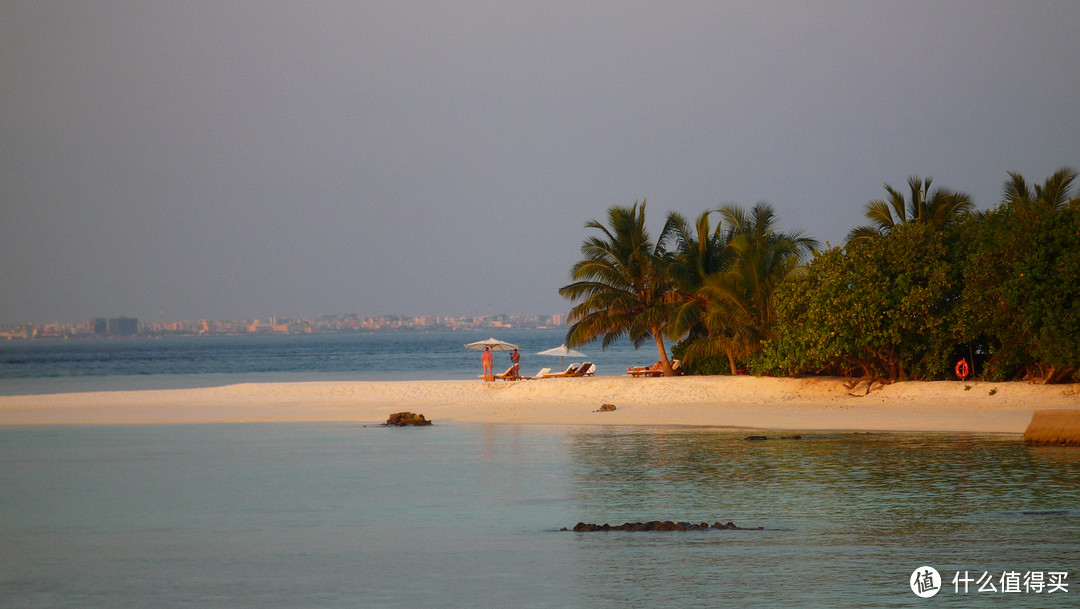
x=493, y=344
x=562, y=351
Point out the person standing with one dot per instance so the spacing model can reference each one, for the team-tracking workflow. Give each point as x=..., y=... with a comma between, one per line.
x=515, y=361
x=485, y=361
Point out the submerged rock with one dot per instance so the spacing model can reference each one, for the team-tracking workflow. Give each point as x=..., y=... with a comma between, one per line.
x=401, y=419
x=657, y=525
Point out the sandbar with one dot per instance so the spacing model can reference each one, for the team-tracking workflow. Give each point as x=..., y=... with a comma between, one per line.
x=721, y=401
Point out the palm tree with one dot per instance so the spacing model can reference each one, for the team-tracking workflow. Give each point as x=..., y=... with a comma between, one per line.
x=938, y=208
x=622, y=284
x=700, y=252
x=1055, y=192
x=735, y=295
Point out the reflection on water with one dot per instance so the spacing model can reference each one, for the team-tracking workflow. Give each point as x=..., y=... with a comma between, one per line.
x=848, y=516
x=335, y=515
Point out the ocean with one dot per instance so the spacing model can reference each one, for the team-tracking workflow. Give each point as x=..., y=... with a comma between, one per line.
x=48, y=366
x=470, y=515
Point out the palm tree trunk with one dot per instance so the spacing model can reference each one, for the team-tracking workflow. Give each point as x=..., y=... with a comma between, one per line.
x=731, y=361
x=663, y=352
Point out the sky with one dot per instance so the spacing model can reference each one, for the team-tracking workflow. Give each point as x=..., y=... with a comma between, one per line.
x=230, y=160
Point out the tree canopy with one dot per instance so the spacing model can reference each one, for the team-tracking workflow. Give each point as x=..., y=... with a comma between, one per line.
x=929, y=282
x=622, y=284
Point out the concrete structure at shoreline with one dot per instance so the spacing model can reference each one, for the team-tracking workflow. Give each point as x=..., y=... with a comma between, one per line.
x=1054, y=428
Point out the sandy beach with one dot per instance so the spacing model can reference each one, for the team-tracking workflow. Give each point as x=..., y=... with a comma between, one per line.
x=749, y=402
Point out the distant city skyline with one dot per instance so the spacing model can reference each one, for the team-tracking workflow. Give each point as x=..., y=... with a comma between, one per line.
x=171, y=160
x=348, y=322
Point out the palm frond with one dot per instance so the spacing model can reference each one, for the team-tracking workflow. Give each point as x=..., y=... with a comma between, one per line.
x=863, y=233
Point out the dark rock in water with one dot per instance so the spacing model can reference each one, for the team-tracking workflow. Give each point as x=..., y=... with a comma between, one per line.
x=657, y=525
x=791, y=437
x=756, y=438
x=401, y=419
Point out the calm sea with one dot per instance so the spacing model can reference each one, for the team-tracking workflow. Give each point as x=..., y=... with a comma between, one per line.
x=30, y=367
x=468, y=516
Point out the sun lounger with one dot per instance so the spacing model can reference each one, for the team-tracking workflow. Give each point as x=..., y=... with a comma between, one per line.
x=655, y=370
x=641, y=371
x=570, y=370
x=586, y=369
x=539, y=375
x=511, y=374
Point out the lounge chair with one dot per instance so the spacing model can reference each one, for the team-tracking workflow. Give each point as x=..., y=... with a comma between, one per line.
x=539, y=375
x=570, y=370
x=586, y=369
x=511, y=374
x=656, y=369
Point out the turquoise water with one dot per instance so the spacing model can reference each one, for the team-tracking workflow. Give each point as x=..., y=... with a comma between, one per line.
x=340, y=515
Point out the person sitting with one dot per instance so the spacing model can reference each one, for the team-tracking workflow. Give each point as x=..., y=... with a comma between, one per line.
x=653, y=370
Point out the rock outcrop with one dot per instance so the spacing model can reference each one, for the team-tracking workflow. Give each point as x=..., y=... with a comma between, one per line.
x=657, y=525
x=401, y=419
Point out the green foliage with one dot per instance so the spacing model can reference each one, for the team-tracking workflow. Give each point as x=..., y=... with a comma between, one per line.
x=622, y=284
x=1050, y=282
x=717, y=364
x=878, y=309
x=928, y=280
x=938, y=208
x=727, y=301
x=1022, y=284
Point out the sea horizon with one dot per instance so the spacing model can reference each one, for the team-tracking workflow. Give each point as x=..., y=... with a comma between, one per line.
x=120, y=364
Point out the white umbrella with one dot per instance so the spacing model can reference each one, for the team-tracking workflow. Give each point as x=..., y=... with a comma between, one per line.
x=562, y=351
x=493, y=344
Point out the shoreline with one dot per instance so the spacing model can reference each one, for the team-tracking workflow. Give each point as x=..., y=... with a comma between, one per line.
x=765, y=403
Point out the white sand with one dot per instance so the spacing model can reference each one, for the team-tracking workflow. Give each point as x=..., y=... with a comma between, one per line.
x=758, y=403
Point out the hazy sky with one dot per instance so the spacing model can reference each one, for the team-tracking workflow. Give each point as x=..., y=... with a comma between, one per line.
x=181, y=160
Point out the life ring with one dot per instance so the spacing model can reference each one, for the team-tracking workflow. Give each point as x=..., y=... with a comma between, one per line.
x=962, y=369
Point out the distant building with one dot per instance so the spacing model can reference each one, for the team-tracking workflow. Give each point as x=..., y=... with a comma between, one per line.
x=121, y=326
x=101, y=325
